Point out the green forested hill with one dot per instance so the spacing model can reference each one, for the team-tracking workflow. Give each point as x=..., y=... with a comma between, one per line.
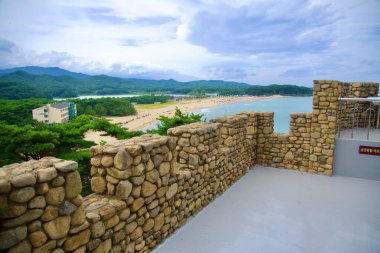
x=72, y=85
x=35, y=70
x=103, y=84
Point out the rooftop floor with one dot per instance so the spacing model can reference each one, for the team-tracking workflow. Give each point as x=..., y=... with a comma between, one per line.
x=278, y=210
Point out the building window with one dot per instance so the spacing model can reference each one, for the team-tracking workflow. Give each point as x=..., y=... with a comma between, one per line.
x=45, y=115
x=46, y=121
x=45, y=110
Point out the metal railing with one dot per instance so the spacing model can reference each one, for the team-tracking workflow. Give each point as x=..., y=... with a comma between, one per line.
x=361, y=115
x=370, y=111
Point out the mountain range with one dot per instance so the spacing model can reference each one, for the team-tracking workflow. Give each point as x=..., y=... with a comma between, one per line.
x=35, y=70
x=57, y=82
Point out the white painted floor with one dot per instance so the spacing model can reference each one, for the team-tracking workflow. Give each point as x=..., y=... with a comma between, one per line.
x=277, y=210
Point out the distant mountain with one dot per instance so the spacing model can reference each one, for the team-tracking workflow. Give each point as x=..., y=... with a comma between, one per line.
x=58, y=82
x=35, y=70
x=103, y=84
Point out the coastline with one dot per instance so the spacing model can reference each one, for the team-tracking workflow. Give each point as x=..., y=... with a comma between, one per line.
x=146, y=116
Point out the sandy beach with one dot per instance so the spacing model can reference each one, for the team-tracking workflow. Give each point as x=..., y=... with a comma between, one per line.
x=98, y=136
x=148, y=114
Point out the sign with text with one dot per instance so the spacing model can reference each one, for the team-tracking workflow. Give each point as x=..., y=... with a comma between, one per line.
x=369, y=150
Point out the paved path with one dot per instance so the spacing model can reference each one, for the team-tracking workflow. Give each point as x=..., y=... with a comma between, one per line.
x=277, y=210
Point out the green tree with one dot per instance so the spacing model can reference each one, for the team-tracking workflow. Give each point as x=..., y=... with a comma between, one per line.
x=198, y=93
x=27, y=143
x=89, y=110
x=15, y=90
x=100, y=110
x=19, y=112
x=178, y=119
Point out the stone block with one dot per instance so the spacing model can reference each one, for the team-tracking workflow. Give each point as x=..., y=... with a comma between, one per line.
x=123, y=189
x=11, y=237
x=57, y=228
x=148, y=189
x=66, y=166
x=123, y=160
x=73, y=185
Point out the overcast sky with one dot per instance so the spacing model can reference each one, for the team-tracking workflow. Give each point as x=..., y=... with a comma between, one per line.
x=254, y=41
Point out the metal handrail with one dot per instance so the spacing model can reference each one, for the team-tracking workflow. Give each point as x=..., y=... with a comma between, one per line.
x=370, y=111
x=353, y=114
x=338, y=117
x=358, y=115
x=368, y=99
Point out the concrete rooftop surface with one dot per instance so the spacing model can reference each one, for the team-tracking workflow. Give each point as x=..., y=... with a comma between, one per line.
x=278, y=210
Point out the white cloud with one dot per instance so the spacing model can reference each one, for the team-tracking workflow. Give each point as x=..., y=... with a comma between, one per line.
x=256, y=41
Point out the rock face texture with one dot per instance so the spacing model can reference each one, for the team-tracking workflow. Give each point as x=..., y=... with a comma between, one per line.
x=38, y=203
x=148, y=186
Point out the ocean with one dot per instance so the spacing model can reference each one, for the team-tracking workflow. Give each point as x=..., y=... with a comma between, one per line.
x=282, y=107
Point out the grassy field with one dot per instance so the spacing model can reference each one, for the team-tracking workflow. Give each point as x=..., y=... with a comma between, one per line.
x=157, y=106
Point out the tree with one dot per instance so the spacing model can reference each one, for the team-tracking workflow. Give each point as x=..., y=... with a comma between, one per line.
x=15, y=90
x=100, y=110
x=89, y=110
x=27, y=143
x=178, y=119
x=19, y=112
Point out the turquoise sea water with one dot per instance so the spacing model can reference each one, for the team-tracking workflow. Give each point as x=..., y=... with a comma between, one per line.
x=282, y=107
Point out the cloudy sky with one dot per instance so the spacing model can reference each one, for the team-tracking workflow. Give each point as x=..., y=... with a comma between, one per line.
x=254, y=41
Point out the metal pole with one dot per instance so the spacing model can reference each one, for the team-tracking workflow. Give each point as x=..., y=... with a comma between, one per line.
x=339, y=118
x=370, y=110
x=353, y=114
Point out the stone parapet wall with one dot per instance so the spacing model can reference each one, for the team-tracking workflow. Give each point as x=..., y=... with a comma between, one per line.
x=323, y=126
x=237, y=140
x=140, y=175
x=146, y=187
x=309, y=146
x=41, y=208
x=117, y=168
x=291, y=150
x=358, y=89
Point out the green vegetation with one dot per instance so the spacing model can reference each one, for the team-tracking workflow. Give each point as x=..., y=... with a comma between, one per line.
x=22, y=143
x=119, y=133
x=104, y=106
x=198, y=93
x=114, y=106
x=13, y=90
x=19, y=112
x=178, y=119
x=161, y=105
x=150, y=99
x=274, y=89
x=71, y=85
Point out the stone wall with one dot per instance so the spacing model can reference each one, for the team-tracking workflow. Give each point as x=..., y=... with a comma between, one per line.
x=309, y=146
x=41, y=208
x=355, y=90
x=280, y=150
x=148, y=186
x=144, y=189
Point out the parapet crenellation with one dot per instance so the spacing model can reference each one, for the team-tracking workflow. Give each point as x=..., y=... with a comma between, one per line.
x=146, y=187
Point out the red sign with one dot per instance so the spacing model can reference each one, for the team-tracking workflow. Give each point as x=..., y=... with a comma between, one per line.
x=368, y=150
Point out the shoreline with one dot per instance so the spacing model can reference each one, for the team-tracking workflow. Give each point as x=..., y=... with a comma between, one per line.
x=146, y=117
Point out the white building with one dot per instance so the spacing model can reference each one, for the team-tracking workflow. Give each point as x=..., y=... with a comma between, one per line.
x=55, y=113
